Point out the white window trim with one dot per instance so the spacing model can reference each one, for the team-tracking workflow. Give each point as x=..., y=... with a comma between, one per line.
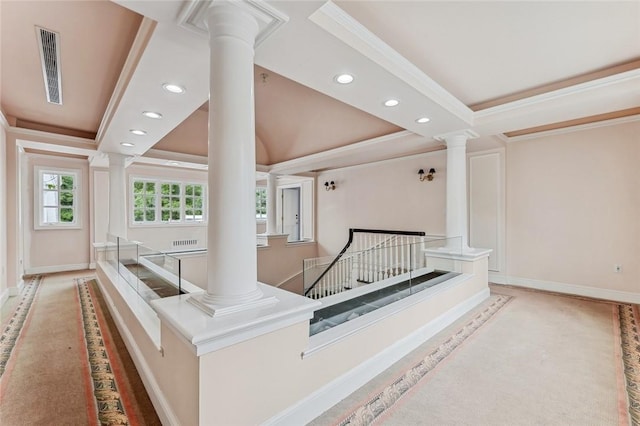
x=159, y=223
x=38, y=201
x=262, y=219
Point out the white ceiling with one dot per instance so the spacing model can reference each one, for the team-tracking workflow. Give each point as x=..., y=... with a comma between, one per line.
x=440, y=59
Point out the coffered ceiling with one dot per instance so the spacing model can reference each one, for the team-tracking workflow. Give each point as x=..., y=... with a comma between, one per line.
x=506, y=70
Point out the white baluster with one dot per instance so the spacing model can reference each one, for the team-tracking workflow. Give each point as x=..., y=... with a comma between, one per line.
x=402, y=254
x=396, y=257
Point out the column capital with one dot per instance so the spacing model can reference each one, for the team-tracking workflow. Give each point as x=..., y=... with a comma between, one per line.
x=457, y=137
x=224, y=18
x=269, y=19
x=117, y=159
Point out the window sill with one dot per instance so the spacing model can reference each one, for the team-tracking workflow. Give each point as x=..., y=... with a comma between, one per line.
x=167, y=225
x=57, y=227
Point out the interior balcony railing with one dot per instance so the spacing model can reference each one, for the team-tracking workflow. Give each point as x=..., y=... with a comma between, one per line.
x=151, y=273
x=426, y=265
x=370, y=255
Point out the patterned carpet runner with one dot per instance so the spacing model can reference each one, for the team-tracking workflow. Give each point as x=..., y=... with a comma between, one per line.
x=13, y=327
x=110, y=407
x=630, y=336
x=112, y=410
x=372, y=409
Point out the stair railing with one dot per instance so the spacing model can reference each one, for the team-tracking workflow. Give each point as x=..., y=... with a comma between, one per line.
x=375, y=254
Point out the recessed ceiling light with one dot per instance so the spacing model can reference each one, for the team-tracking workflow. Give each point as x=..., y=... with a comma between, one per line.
x=391, y=102
x=138, y=132
x=127, y=144
x=173, y=88
x=151, y=114
x=173, y=163
x=423, y=120
x=344, y=78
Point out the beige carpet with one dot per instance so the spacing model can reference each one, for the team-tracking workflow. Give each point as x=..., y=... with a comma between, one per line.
x=55, y=376
x=543, y=359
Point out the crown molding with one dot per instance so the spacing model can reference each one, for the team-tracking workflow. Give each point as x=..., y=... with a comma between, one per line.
x=572, y=129
x=555, y=94
x=3, y=121
x=343, y=26
x=63, y=140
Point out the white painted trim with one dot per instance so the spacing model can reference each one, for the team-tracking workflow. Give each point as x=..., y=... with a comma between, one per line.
x=501, y=231
x=555, y=94
x=291, y=278
x=15, y=291
x=160, y=403
x=56, y=137
x=4, y=122
x=319, y=401
x=160, y=157
x=571, y=129
x=442, y=151
x=4, y=297
x=201, y=335
x=573, y=289
x=78, y=196
x=145, y=31
x=56, y=268
x=344, y=27
x=290, y=166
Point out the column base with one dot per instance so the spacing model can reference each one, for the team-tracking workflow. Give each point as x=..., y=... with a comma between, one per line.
x=216, y=310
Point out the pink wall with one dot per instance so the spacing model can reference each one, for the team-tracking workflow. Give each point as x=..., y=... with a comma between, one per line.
x=573, y=208
x=58, y=248
x=384, y=195
x=3, y=213
x=14, y=257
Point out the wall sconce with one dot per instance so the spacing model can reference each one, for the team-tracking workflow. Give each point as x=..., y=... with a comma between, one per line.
x=429, y=175
x=329, y=186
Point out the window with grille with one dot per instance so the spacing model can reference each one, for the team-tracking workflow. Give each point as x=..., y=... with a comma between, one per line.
x=155, y=202
x=261, y=203
x=57, y=203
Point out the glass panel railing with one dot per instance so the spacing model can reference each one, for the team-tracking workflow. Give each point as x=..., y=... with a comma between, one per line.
x=160, y=273
x=151, y=273
x=363, y=281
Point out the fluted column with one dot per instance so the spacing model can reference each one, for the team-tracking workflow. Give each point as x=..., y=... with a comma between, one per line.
x=231, y=229
x=117, y=195
x=271, y=204
x=457, y=215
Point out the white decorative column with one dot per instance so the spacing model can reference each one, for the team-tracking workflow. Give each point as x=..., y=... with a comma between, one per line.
x=271, y=204
x=231, y=231
x=457, y=217
x=117, y=195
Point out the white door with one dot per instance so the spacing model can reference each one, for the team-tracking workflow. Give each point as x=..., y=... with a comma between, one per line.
x=291, y=213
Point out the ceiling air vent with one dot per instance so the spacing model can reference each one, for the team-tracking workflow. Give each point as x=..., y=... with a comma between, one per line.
x=49, y=44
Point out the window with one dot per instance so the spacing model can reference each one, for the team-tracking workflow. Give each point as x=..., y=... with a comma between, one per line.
x=170, y=202
x=157, y=202
x=144, y=201
x=193, y=203
x=261, y=203
x=57, y=192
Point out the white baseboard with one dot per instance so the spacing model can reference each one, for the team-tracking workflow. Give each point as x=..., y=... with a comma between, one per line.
x=573, y=289
x=326, y=397
x=55, y=268
x=92, y=265
x=163, y=409
x=14, y=291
